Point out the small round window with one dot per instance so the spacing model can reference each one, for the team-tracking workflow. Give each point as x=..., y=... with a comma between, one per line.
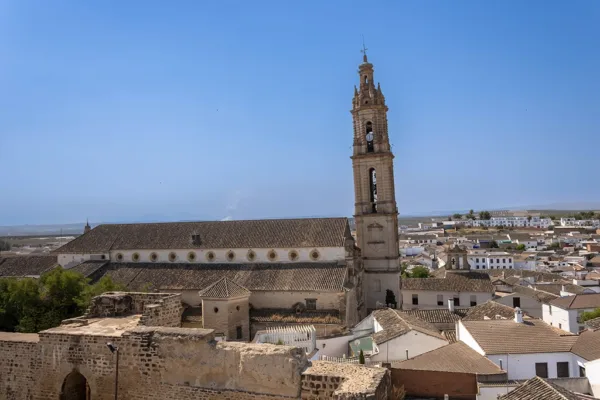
x=135, y=256
x=230, y=255
x=237, y=308
x=293, y=255
x=251, y=255
x=172, y=256
x=314, y=254
x=216, y=309
x=272, y=255
x=119, y=257
x=210, y=256
x=191, y=256
x=153, y=257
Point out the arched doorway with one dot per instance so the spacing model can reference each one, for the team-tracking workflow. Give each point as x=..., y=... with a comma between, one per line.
x=75, y=387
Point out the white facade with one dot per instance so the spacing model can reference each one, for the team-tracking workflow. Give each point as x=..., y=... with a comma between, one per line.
x=429, y=299
x=514, y=222
x=526, y=303
x=567, y=320
x=492, y=260
x=592, y=371
x=591, y=223
x=395, y=349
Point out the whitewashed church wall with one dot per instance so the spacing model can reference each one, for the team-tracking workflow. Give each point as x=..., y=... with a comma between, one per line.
x=272, y=299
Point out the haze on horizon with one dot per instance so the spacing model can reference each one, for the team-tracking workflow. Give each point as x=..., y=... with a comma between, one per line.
x=120, y=111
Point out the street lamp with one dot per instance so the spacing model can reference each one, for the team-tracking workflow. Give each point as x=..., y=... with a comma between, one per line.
x=115, y=350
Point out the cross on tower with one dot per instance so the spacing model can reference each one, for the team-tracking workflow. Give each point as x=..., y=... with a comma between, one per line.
x=364, y=50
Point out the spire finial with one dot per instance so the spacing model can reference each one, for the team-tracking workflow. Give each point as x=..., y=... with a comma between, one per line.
x=364, y=49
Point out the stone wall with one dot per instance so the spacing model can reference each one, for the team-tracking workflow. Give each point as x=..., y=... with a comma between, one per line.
x=165, y=312
x=436, y=384
x=17, y=365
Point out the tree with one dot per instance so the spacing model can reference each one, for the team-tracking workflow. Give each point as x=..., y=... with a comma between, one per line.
x=485, y=215
x=449, y=218
x=419, y=272
x=390, y=298
x=554, y=246
x=404, y=270
x=586, y=316
x=471, y=214
x=521, y=247
x=4, y=245
x=361, y=357
x=494, y=244
x=105, y=284
x=529, y=217
x=457, y=216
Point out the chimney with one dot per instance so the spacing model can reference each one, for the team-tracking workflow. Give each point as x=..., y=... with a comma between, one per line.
x=451, y=305
x=518, y=315
x=563, y=288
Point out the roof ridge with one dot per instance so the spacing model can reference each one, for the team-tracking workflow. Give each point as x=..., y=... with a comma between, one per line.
x=220, y=221
x=553, y=387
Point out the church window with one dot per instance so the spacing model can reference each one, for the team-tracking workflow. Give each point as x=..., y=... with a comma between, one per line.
x=293, y=255
x=415, y=299
x=369, y=135
x=230, y=255
x=314, y=255
x=366, y=79
x=119, y=257
x=191, y=256
x=210, y=256
x=216, y=309
x=172, y=256
x=311, y=304
x=135, y=256
x=251, y=255
x=373, y=189
x=272, y=255
x=196, y=240
x=153, y=257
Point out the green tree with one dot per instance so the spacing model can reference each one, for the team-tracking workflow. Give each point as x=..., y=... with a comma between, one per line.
x=586, y=316
x=390, y=298
x=404, y=270
x=554, y=246
x=494, y=244
x=457, y=216
x=419, y=272
x=485, y=215
x=105, y=284
x=471, y=214
x=529, y=217
x=521, y=247
x=361, y=357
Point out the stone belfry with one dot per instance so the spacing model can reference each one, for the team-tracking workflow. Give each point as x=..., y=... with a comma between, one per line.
x=375, y=210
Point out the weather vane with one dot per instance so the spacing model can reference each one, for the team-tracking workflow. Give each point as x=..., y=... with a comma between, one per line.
x=364, y=49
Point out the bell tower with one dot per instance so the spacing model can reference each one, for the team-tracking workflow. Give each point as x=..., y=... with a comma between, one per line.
x=375, y=210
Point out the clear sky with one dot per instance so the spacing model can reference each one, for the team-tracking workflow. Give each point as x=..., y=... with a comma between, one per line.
x=139, y=110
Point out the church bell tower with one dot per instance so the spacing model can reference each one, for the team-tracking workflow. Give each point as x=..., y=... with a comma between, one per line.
x=375, y=210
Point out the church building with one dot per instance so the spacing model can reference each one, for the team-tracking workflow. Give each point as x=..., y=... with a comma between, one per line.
x=269, y=267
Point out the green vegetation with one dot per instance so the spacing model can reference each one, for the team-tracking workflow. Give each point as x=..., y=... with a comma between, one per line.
x=390, y=298
x=485, y=215
x=521, y=247
x=361, y=357
x=32, y=305
x=554, y=246
x=419, y=272
x=585, y=215
x=457, y=216
x=494, y=244
x=586, y=316
x=4, y=245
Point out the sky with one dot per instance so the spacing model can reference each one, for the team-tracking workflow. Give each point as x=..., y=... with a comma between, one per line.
x=152, y=110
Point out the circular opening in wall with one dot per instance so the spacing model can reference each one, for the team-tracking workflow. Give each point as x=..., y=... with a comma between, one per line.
x=237, y=308
x=230, y=255
x=251, y=255
x=293, y=255
x=153, y=257
x=135, y=257
x=210, y=256
x=272, y=255
x=119, y=257
x=314, y=255
x=216, y=309
x=172, y=256
x=191, y=256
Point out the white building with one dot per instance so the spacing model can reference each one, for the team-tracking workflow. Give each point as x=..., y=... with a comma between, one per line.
x=565, y=312
x=591, y=223
x=481, y=259
x=514, y=222
x=530, y=300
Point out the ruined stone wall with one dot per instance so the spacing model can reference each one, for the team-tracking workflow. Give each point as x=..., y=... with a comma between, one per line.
x=18, y=360
x=165, y=312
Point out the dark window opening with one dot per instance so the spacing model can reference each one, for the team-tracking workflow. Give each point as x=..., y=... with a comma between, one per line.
x=369, y=136
x=415, y=299
x=440, y=300
x=238, y=332
x=75, y=387
x=196, y=240
x=516, y=302
x=373, y=189
x=311, y=304
x=366, y=79
x=562, y=369
x=541, y=370
x=457, y=302
x=473, y=300
x=582, y=371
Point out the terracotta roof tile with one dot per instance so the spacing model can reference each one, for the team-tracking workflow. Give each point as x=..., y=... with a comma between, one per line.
x=556, y=288
x=510, y=337
x=266, y=233
x=395, y=323
x=450, y=335
x=224, y=289
x=537, y=388
x=22, y=266
x=453, y=281
x=489, y=310
x=455, y=357
x=287, y=316
x=539, y=295
x=579, y=301
x=588, y=345
x=438, y=316
x=593, y=324
x=89, y=268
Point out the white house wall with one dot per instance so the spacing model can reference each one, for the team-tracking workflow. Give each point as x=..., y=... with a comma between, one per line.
x=592, y=371
x=285, y=299
x=428, y=299
x=528, y=304
x=522, y=366
x=463, y=335
x=415, y=342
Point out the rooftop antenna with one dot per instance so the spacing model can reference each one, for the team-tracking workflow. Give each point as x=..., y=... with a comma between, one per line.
x=364, y=49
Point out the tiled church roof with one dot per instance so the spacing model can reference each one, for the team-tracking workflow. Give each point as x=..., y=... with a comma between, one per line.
x=27, y=265
x=300, y=276
x=265, y=233
x=224, y=289
x=453, y=281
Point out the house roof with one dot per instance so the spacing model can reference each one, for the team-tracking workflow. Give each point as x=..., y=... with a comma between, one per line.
x=455, y=357
x=395, y=323
x=454, y=281
x=224, y=289
x=266, y=233
x=588, y=344
x=539, y=295
x=450, y=335
x=23, y=266
x=579, y=301
x=309, y=276
x=287, y=316
x=510, y=337
x=438, y=316
x=537, y=388
x=556, y=288
x=593, y=324
x=489, y=310
x=523, y=273
x=89, y=267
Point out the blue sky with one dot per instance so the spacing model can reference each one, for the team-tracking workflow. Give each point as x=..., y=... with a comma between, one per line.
x=136, y=110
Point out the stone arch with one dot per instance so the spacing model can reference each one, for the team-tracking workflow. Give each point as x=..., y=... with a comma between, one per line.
x=75, y=387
